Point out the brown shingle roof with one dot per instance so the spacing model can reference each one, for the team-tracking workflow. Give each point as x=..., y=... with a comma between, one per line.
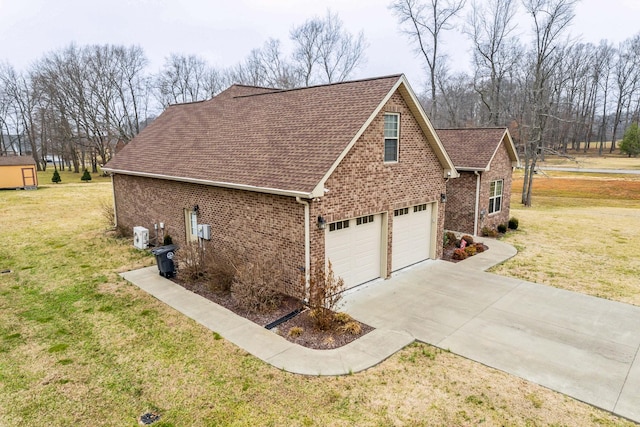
x=256, y=137
x=16, y=160
x=474, y=148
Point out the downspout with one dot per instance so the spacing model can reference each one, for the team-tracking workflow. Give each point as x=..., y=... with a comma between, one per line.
x=307, y=247
x=115, y=212
x=475, y=219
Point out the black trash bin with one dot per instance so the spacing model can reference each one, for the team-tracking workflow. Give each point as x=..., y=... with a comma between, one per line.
x=164, y=259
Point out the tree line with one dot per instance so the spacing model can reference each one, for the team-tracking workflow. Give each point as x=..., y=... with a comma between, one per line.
x=553, y=92
x=73, y=105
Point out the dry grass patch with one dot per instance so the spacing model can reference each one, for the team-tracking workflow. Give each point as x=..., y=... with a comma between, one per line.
x=581, y=235
x=117, y=353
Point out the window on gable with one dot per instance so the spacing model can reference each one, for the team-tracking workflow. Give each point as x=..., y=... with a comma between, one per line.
x=495, y=196
x=391, y=137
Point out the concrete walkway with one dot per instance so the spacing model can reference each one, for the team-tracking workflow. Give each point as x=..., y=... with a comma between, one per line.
x=579, y=345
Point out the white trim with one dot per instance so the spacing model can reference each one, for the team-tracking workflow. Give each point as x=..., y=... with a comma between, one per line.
x=115, y=208
x=397, y=138
x=475, y=219
x=495, y=196
x=307, y=247
x=245, y=187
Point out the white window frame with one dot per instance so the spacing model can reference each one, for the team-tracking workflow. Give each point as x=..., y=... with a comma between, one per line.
x=191, y=225
x=494, y=197
x=390, y=137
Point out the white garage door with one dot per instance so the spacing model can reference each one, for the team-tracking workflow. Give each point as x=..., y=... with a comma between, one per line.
x=411, y=236
x=353, y=247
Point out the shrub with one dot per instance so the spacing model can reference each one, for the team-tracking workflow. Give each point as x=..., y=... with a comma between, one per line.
x=451, y=237
x=56, y=177
x=470, y=250
x=513, y=223
x=489, y=232
x=190, y=258
x=325, y=292
x=467, y=239
x=295, y=332
x=351, y=328
x=86, y=176
x=459, y=254
x=502, y=228
x=255, y=284
x=342, y=318
x=108, y=212
x=479, y=247
x=445, y=241
x=167, y=240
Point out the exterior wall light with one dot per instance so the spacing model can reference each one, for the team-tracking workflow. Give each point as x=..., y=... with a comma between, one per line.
x=443, y=198
x=322, y=223
x=196, y=209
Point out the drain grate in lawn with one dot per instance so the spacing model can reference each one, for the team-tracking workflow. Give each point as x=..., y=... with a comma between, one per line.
x=149, y=418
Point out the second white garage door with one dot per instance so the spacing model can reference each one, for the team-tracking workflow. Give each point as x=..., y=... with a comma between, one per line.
x=353, y=247
x=411, y=235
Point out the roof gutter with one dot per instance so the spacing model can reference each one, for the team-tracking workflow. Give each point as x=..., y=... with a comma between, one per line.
x=276, y=191
x=475, y=219
x=307, y=247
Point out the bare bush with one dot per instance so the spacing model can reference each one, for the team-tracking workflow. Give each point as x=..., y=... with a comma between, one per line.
x=255, y=285
x=325, y=293
x=190, y=260
x=108, y=212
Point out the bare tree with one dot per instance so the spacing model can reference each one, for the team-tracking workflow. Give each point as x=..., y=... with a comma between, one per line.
x=626, y=78
x=324, y=52
x=424, y=24
x=184, y=79
x=550, y=19
x=496, y=50
x=22, y=100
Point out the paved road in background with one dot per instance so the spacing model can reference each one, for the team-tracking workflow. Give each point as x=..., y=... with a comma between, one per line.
x=590, y=170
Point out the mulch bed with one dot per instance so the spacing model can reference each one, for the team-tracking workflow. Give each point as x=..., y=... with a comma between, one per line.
x=447, y=252
x=311, y=336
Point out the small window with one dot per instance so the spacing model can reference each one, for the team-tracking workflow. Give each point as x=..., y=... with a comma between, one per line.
x=364, y=220
x=420, y=208
x=339, y=225
x=391, y=137
x=402, y=211
x=495, y=196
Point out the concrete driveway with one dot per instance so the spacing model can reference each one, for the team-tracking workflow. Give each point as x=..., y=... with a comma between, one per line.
x=582, y=346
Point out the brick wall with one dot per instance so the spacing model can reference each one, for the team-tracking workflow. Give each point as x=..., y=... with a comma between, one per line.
x=363, y=184
x=461, y=196
x=247, y=223
x=461, y=200
x=500, y=169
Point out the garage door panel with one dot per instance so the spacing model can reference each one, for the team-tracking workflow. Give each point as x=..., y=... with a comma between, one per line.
x=411, y=236
x=354, y=251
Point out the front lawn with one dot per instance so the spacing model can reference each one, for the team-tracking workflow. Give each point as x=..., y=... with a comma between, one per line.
x=80, y=346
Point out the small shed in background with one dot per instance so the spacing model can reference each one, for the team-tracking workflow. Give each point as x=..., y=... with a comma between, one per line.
x=18, y=172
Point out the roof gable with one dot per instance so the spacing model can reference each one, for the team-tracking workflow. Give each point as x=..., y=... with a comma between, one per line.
x=276, y=141
x=475, y=148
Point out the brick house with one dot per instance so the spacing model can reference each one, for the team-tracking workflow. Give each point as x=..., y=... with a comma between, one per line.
x=349, y=172
x=480, y=197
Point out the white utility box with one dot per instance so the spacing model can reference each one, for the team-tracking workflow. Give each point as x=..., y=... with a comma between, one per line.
x=204, y=231
x=140, y=237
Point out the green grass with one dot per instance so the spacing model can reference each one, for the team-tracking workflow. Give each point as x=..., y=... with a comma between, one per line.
x=81, y=346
